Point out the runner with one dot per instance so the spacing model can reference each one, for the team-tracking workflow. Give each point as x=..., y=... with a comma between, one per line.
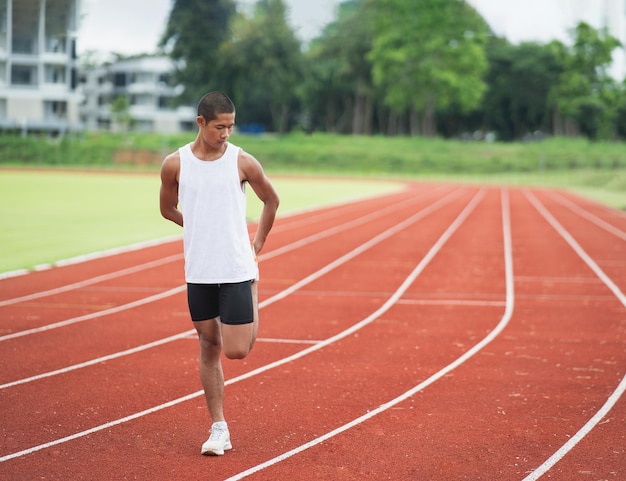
x=208, y=177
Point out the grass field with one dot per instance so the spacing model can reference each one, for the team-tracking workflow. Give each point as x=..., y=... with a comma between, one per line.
x=64, y=210
x=48, y=215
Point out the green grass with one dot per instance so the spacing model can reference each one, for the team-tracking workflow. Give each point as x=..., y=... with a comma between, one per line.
x=52, y=215
x=329, y=153
x=47, y=216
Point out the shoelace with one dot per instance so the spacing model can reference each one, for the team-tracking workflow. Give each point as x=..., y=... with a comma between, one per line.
x=217, y=434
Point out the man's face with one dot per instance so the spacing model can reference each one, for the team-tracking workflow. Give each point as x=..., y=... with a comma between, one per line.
x=216, y=132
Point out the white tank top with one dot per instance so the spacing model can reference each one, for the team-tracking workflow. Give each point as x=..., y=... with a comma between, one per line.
x=215, y=234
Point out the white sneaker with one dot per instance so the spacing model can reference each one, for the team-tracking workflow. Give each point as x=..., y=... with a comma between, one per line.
x=218, y=442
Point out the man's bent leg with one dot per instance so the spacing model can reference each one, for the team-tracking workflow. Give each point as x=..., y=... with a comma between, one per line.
x=238, y=339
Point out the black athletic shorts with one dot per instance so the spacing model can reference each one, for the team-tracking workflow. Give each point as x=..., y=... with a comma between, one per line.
x=231, y=302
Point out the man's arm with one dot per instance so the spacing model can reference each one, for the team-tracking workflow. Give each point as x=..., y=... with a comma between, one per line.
x=168, y=196
x=252, y=172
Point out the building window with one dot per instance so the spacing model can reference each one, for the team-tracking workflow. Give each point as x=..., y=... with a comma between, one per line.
x=141, y=99
x=165, y=78
x=119, y=79
x=55, y=74
x=55, y=110
x=55, y=45
x=165, y=103
x=23, y=75
x=23, y=45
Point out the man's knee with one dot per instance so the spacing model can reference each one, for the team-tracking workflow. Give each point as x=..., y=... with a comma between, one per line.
x=210, y=339
x=236, y=350
x=237, y=340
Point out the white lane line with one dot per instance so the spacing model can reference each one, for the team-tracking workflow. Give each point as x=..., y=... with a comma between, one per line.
x=619, y=390
x=287, y=341
x=576, y=247
x=281, y=295
x=356, y=222
x=317, y=213
x=191, y=334
x=93, y=280
x=95, y=315
x=99, y=360
x=508, y=260
x=589, y=216
x=582, y=432
x=165, y=240
x=143, y=245
x=451, y=302
x=92, y=256
x=274, y=253
x=403, y=287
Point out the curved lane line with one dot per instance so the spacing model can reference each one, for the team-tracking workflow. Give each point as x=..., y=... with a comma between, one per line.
x=95, y=315
x=576, y=209
x=619, y=390
x=148, y=265
x=276, y=252
x=403, y=287
x=91, y=281
x=92, y=256
x=508, y=313
x=165, y=240
x=281, y=295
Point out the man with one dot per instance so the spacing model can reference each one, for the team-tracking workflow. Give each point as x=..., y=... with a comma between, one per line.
x=208, y=177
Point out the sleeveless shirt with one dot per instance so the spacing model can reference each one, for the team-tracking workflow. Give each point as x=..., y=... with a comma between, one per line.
x=215, y=235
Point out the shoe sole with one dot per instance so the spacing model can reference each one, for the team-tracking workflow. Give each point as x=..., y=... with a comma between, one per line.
x=210, y=452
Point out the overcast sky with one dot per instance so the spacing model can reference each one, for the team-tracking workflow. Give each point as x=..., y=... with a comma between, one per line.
x=135, y=26
x=138, y=24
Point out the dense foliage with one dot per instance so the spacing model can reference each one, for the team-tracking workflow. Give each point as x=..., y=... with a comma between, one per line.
x=192, y=37
x=410, y=67
x=326, y=153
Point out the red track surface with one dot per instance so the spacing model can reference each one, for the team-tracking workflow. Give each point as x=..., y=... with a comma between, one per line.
x=441, y=333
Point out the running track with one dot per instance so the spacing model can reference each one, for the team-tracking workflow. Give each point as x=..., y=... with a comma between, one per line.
x=444, y=332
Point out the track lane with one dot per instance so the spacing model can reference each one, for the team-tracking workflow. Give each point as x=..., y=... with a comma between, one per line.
x=501, y=452
x=42, y=354
x=66, y=303
x=602, y=240
x=413, y=219
x=383, y=369
x=499, y=414
x=611, y=223
x=83, y=269
x=597, y=370
x=149, y=446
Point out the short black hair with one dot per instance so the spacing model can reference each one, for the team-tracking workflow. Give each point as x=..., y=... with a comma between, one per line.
x=213, y=104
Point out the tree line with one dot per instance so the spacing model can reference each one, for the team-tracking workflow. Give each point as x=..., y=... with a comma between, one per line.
x=395, y=67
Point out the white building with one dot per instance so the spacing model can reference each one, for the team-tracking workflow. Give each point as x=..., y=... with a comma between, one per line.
x=145, y=83
x=38, y=65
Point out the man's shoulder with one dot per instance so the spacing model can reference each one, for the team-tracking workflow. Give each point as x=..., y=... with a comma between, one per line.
x=171, y=161
x=243, y=156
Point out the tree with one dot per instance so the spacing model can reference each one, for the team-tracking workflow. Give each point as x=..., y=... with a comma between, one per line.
x=265, y=64
x=428, y=54
x=120, y=113
x=584, y=97
x=340, y=72
x=519, y=80
x=193, y=34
